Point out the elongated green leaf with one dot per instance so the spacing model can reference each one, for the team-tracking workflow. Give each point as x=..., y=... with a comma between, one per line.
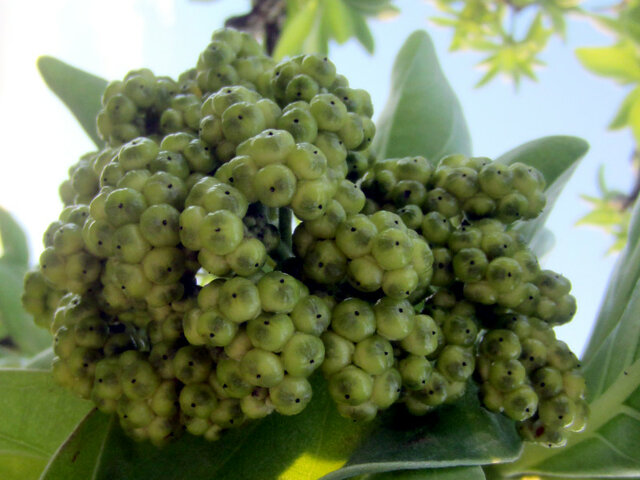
x=81, y=452
x=556, y=157
x=361, y=30
x=619, y=62
x=621, y=119
x=24, y=333
x=422, y=115
x=35, y=417
x=296, y=30
x=339, y=20
x=623, y=280
x=460, y=434
x=13, y=241
x=453, y=473
x=79, y=91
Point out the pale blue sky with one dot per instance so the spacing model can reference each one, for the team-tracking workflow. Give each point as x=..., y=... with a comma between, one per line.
x=109, y=38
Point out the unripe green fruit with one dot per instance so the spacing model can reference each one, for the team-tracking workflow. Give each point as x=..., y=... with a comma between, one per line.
x=239, y=300
x=291, y=395
x=374, y=355
x=230, y=379
x=350, y=386
x=353, y=319
x=415, y=371
x=500, y=345
x=262, y=368
x=338, y=353
x=394, y=318
x=279, y=292
x=456, y=363
x=197, y=400
x=270, y=332
x=520, y=403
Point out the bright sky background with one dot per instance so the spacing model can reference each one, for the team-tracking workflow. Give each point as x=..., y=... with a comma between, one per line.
x=40, y=139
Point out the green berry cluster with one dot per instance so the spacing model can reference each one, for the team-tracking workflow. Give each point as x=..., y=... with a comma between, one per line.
x=533, y=378
x=180, y=301
x=372, y=252
x=473, y=187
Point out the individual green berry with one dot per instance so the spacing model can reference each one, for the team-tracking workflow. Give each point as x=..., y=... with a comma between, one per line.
x=504, y=274
x=365, y=274
x=470, y=264
x=392, y=249
x=275, y=185
x=500, y=344
x=239, y=300
x=353, y=319
x=230, y=378
x=225, y=197
x=221, y=232
x=350, y=386
x=90, y=332
x=302, y=354
x=217, y=330
x=291, y=395
x=325, y=263
x=557, y=412
x=355, y=236
x=241, y=121
x=311, y=315
x=415, y=371
x=262, y=368
x=197, y=400
x=159, y=225
x=248, y=257
x=163, y=265
x=279, y=292
x=139, y=380
x=456, y=363
x=228, y=414
x=394, y=318
x=338, y=352
x=270, y=332
x=436, y=228
x=506, y=375
x=311, y=199
x=123, y=206
x=374, y=355
x=547, y=382
x=386, y=388
x=460, y=330
x=534, y=354
x=192, y=364
x=521, y=403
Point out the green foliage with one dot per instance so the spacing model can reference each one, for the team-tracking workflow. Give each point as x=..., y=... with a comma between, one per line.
x=36, y=416
x=14, y=322
x=422, y=115
x=611, y=441
x=506, y=32
x=608, y=213
x=79, y=91
x=312, y=24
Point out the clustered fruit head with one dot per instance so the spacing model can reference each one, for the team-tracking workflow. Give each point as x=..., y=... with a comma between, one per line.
x=179, y=300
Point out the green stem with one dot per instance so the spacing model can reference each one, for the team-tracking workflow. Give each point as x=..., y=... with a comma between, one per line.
x=284, y=226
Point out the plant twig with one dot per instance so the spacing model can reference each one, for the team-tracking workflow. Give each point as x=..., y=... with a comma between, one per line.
x=264, y=21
